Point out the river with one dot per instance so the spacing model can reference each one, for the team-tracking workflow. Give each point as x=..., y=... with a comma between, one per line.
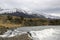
x=36, y=32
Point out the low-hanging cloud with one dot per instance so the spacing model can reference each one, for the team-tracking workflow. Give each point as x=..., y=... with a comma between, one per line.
x=31, y=4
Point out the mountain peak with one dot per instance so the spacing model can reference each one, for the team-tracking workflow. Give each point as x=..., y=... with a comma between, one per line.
x=27, y=13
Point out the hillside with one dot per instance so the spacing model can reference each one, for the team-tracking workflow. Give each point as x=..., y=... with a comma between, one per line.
x=16, y=21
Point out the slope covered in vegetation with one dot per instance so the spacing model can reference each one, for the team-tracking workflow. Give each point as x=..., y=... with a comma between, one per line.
x=14, y=21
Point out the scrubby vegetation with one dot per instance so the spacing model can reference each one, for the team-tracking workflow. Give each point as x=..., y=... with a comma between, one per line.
x=35, y=22
x=3, y=29
x=54, y=22
x=14, y=21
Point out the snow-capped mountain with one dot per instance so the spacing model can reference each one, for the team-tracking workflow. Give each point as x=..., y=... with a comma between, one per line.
x=51, y=16
x=20, y=12
x=27, y=14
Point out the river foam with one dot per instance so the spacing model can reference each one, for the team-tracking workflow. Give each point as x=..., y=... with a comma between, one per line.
x=46, y=34
x=50, y=33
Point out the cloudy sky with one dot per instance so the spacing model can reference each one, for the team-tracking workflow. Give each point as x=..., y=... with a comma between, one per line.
x=49, y=6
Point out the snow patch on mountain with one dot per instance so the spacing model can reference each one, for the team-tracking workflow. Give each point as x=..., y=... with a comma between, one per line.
x=31, y=12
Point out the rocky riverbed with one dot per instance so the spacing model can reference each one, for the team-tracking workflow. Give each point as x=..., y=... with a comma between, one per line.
x=21, y=37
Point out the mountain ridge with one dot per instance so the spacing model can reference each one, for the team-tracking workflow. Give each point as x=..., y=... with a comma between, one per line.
x=27, y=14
x=22, y=13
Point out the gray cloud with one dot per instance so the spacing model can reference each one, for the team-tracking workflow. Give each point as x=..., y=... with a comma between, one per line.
x=30, y=3
x=46, y=5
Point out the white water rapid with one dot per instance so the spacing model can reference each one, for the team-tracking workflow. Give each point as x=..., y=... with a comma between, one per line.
x=36, y=33
x=46, y=34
